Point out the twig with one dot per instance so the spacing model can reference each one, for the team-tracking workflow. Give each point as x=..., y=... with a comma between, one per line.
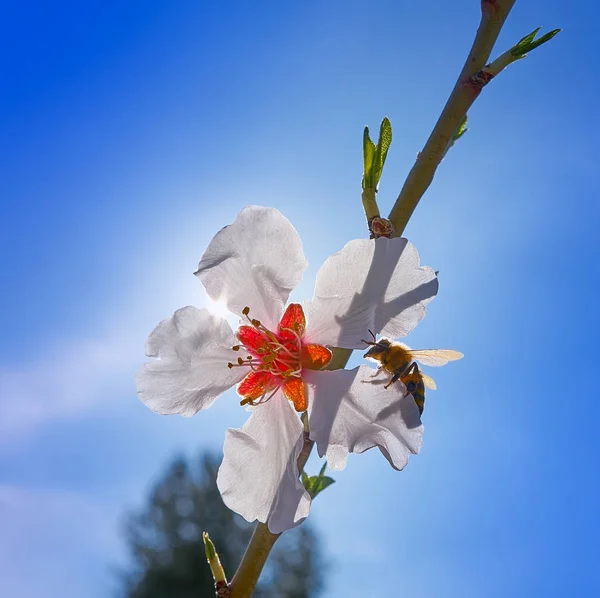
x=222, y=589
x=481, y=78
x=493, y=15
x=261, y=543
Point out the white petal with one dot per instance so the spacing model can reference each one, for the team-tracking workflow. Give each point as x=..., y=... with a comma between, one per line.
x=351, y=413
x=373, y=285
x=259, y=475
x=256, y=262
x=192, y=349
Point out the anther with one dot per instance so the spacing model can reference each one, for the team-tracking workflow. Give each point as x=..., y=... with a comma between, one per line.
x=240, y=361
x=230, y=365
x=246, y=310
x=255, y=323
x=236, y=347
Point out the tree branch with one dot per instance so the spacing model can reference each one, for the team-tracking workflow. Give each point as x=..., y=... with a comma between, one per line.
x=262, y=541
x=493, y=15
x=246, y=577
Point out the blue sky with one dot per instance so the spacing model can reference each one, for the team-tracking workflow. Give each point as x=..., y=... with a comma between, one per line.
x=132, y=131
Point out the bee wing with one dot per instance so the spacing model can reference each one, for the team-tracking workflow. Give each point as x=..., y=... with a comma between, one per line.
x=428, y=381
x=435, y=357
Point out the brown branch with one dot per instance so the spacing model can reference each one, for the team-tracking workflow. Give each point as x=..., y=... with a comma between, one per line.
x=262, y=541
x=253, y=561
x=246, y=577
x=493, y=15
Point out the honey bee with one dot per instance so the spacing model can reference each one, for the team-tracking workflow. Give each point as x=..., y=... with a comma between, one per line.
x=400, y=360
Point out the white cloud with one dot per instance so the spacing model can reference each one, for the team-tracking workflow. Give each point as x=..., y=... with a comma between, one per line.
x=66, y=382
x=73, y=377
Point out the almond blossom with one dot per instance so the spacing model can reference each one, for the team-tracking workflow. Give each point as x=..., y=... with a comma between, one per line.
x=277, y=355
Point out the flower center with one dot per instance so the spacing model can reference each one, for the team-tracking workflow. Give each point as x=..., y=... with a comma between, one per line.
x=276, y=359
x=277, y=354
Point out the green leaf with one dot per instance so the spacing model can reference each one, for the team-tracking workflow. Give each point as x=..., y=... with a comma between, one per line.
x=322, y=472
x=316, y=484
x=458, y=133
x=321, y=484
x=368, y=155
x=383, y=145
x=543, y=39
x=461, y=129
x=306, y=482
x=529, y=43
x=528, y=38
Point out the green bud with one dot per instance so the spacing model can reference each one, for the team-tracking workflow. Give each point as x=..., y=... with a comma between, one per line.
x=461, y=129
x=529, y=43
x=374, y=156
x=317, y=483
x=368, y=156
x=209, y=547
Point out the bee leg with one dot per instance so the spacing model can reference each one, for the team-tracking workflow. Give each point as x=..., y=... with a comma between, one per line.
x=395, y=378
x=377, y=372
x=396, y=375
x=413, y=369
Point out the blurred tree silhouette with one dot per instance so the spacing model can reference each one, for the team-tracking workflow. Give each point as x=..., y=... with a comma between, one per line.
x=165, y=541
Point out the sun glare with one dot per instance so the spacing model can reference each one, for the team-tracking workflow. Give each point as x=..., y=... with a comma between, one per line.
x=218, y=308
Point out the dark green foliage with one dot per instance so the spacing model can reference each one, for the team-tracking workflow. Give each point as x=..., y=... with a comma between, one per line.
x=165, y=541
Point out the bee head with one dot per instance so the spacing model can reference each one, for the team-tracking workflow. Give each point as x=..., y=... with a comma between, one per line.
x=378, y=349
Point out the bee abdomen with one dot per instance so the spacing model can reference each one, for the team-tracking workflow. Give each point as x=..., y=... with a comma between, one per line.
x=420, y=403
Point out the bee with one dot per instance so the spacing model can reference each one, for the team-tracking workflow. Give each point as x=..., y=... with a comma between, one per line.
x=400, y=360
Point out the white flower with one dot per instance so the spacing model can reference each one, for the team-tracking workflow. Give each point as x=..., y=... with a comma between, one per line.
x=277, y=354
